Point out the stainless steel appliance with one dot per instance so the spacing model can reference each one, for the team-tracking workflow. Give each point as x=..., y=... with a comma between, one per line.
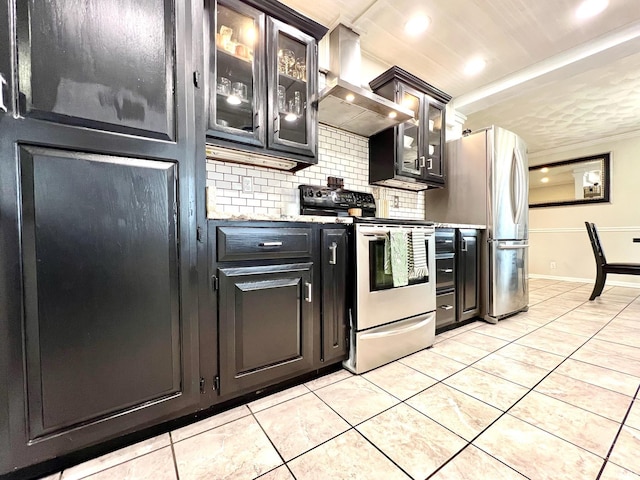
x=488, y=184
x=386, y=322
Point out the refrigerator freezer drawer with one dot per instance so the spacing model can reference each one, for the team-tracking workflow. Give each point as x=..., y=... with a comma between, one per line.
x=508, y=278
x=380, y=345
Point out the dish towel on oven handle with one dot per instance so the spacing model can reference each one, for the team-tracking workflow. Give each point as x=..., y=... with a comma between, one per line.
x=419, y=254
x=395, y=257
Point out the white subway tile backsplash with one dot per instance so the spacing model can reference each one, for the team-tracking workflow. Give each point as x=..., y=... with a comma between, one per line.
x=340, y=154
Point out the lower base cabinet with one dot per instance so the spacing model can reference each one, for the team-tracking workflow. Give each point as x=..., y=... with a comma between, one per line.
x=333, y=257
x=468, y=269
x=265, y=325
x=458, y=276
x=280, y=302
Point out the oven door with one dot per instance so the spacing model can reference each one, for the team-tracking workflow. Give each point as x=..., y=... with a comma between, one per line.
x=377, y=300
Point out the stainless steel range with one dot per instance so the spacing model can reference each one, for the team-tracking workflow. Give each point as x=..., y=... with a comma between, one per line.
x=387, y=322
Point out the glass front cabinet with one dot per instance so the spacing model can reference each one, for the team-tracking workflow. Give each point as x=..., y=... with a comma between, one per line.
x=262, y=79
x=411, y=155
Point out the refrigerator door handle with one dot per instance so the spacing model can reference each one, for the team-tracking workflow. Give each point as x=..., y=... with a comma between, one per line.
x=504, y=246
x=522, y=194
x=515, y=188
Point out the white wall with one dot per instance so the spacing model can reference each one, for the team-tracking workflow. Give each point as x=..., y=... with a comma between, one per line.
x=341, y=154
x=558, y=234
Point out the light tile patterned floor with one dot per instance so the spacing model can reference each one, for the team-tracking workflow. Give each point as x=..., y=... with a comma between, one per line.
x=547, y=394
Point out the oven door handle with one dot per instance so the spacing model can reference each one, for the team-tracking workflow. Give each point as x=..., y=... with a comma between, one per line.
x=398, y=331
x=375, y=236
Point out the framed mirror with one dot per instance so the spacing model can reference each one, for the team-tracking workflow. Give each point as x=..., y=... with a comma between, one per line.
x=578, y=181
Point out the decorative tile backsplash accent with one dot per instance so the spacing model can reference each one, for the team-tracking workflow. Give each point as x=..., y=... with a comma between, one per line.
x=341, y=154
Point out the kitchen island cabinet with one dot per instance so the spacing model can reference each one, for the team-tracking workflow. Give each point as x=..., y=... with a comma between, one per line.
x=99, y=216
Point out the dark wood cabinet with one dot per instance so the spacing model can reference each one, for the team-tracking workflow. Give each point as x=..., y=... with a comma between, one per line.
x=106, y=71
x=457, y=275
x=333, y=257
x=468, y=270
x=265, y=325
x=261, y=82
x=262, y=284
x=99, y=218
x=410, y=156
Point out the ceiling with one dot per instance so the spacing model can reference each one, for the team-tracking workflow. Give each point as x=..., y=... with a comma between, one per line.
x=551, y=79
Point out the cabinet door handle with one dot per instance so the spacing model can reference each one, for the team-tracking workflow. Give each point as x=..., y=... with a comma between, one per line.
x=430, y=167
x=270, y=244
x=446, y=307
x=3, y=82
x=421, y=162
x=446, y=270
x=276, y=124
x=464, y=245
x=257, y=121
x=334, y=253
x=307, y=297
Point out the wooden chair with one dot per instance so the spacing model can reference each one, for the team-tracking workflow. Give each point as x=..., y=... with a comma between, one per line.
x=602, y=265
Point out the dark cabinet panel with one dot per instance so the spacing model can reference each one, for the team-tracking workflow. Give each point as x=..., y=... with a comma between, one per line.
x=98, y=315
x=260, y=243
x=333, y=255
x=79, y=66
x=101, y=285
x=260, y=93
x=236, y=84
x=265, y=325
x=411, y=155
x=468, y=274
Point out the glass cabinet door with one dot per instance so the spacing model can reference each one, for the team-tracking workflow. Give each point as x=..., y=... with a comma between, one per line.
x=236, y=94
x=411, y=159
x=434, y=140
x=292, y=81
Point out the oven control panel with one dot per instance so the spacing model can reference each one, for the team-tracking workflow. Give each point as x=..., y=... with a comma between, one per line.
x=339, y=199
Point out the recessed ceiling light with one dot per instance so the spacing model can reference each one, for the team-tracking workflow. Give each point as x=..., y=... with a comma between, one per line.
x=474, y=66
x=544, y=179
x=591, y=8
x=393, y=114
x=350, y=97
x=417, y=24
x=544, y=169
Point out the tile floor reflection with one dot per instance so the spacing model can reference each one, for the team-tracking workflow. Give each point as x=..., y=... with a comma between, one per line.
x=550, y=393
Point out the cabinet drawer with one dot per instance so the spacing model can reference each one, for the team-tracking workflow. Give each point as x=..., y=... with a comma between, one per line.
x=445, y=240
x=259, y=243
x=445, y=309
x=445, y=271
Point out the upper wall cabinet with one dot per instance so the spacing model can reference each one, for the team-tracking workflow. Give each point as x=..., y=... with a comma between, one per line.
x=262, y=81
x=411, y=155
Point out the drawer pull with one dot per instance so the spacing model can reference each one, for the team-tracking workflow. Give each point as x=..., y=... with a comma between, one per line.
x=270, y=244
x=307, y=297
x=446, y=307
x=446, y=270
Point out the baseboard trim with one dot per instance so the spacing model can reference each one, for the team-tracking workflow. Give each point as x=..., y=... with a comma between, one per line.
x=583, y=230
x=584, y=280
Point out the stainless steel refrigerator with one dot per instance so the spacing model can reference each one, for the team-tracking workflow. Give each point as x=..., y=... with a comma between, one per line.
x=487, y=183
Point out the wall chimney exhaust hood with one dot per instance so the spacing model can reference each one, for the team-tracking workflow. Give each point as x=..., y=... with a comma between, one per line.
x=346, y=105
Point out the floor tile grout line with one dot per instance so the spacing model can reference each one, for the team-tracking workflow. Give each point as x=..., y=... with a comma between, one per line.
x=505, y=412
x=175, y=460
x=615, y=439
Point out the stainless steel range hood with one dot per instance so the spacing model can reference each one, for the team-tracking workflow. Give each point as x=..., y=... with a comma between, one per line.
x=344, y=104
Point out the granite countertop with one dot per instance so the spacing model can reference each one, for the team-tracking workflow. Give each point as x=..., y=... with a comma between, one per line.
x=458, y=225
x=277, y=218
